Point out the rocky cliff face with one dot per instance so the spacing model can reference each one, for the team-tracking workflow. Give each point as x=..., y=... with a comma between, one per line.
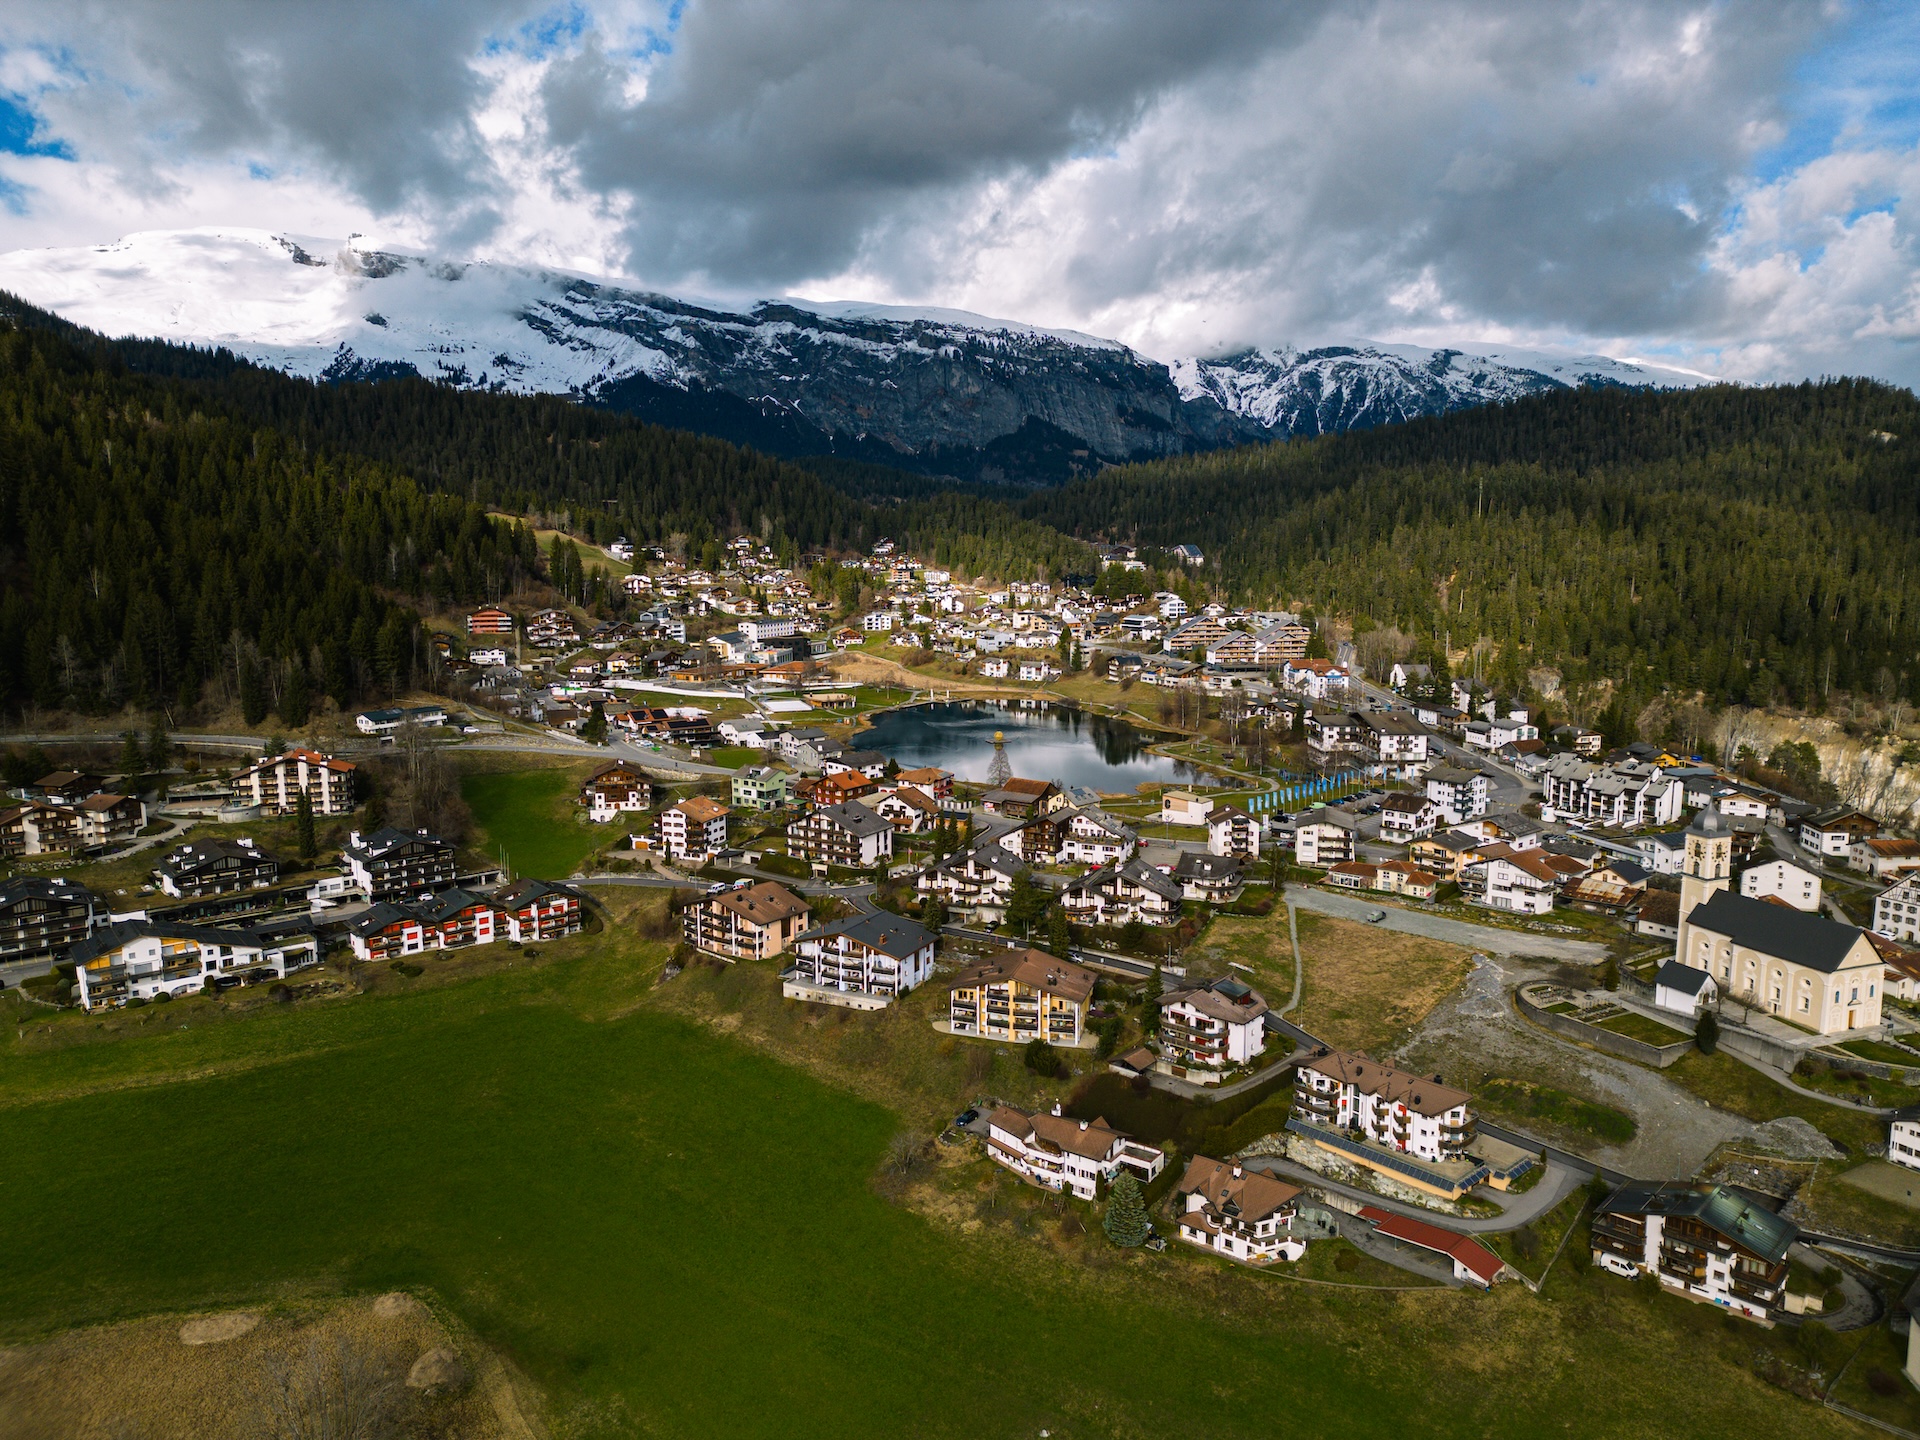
x=939, y=391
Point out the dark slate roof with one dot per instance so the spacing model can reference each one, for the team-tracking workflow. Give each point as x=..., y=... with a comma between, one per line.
x=890, y=934
x=112, y=937
x=1687, y=979
x=39, y=887
x=372, y=921
x=1777, y=930
x=524, y=892
x=199, y=854
x=1744, y=1222
x=856, y=819
x=1194, y=866
x=382, y=841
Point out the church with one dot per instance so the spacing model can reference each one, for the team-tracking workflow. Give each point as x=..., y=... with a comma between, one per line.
x=1807, y=969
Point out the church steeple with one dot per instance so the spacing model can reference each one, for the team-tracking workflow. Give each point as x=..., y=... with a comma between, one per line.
x=1706, y=868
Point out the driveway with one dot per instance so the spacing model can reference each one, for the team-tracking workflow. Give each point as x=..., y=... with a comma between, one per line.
x=1555, y=1185
x=1489, y=938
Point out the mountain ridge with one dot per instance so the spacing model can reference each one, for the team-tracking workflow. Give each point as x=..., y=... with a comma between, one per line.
x=934, y=390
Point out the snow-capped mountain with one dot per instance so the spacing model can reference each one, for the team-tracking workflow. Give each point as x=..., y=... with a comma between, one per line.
x=1353, y=387
x=929, y=389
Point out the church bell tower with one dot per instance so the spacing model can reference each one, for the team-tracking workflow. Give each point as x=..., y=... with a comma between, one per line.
x=1706, y=869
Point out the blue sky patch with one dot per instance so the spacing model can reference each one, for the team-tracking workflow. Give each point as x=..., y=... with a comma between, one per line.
x=18, y=128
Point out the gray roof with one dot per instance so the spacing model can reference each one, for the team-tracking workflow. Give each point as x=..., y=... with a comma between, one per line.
x=1745, y=1222
x=1453, y=774
x=380, y=842
x=889, y=934
x=113, y=936
x=1195, y=866
x=1777, y=930
x=1687, y=979
x=856, y=819
x=39, y=887
x=198, y=854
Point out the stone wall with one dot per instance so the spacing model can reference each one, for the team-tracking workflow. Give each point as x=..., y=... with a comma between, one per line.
x=1625, y=1046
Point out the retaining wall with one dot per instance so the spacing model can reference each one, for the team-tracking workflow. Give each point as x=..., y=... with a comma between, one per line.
x=1625, y=1046
x=1761, y=1048
x=1880, y=1069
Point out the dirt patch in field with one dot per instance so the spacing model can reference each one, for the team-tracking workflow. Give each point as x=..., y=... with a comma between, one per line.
x=192, y=1377
x=1365, y=987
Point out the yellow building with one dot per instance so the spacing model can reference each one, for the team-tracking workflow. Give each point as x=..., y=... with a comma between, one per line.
x=1021, y=996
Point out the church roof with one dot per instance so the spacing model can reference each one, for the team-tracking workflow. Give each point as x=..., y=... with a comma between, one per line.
x=1777, y=930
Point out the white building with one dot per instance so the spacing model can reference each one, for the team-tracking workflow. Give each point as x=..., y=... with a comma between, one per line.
x=1903, y=1138
x=1683, y=989
x=1784, y=880
x=1092, y=837
x=1896, y=910
x=1232, y=1212
x=1056, y=1152
x=142, y=959
x=862, y=962
x=1702, y=1240
x=1458, y=793
x=1629, y=794
x=1319, y=844
x=1407, y=817
x=695, y=829
x=1210, y=1029
x=1414, y=1114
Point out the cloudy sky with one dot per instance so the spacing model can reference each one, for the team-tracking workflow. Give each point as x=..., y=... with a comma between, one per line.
x=1726, y=185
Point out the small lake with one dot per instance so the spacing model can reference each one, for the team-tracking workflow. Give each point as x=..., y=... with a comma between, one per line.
x=1068, y=747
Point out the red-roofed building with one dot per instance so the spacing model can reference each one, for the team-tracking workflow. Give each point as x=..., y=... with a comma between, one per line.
x=1472, y=1261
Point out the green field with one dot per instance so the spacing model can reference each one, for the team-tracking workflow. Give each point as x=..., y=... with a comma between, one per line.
x=533, y=813
x=1526, y=1101
x=1636, y=1026
x=671, y=1232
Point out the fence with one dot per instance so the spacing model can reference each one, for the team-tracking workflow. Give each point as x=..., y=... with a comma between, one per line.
x=1625, y=1046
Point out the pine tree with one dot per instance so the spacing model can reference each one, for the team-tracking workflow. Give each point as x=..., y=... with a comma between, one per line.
x=594, y=731
x=1706, y=1032
x=132, y=759
x=253, y=695
x=159, y=745
x=296, y=699
x=1059, y=932
x=303, y=826
x=1126, y=1219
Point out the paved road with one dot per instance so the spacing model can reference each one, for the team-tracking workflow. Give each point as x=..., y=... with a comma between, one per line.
x=1488, y=938
x=1559, y=1182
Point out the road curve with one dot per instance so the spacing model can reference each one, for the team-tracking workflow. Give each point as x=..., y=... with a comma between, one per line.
x=1489, y=938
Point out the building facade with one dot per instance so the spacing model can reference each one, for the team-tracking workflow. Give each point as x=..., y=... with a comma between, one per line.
x=1020, y=996
x=751, y=922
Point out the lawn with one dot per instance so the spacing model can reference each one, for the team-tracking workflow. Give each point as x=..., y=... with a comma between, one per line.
x=1523, y=1101
x=1724, y=1081
x=1886, y=1054
x=1867, y=1201
x=1365, y=987
x=732, y=757
x=1636, y=1026
x=671, y=1231
x=533, y=814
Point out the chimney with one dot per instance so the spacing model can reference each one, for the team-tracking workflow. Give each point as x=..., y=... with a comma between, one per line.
x=1056, y=1107
x=1236, y=1170
x=1083, y=1124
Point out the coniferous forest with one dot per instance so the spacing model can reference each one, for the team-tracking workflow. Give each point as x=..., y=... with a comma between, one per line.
x=173, y=519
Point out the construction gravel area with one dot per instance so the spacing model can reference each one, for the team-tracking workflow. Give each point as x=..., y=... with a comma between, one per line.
x=1476, y=1033
x=194, y=1377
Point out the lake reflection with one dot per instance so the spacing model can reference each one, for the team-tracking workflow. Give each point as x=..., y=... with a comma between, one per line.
x=1068, y=747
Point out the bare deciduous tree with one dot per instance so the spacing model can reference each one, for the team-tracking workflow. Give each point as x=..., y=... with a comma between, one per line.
x=338, y=1390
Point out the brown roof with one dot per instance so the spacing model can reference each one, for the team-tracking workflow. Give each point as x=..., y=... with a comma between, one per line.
x=916, y=797
x=1894, y=849
x=762, y=904
x=925, y=775
x=1033, y=968
x=1422, y=1094
x=1408, y=869
x=1255, y=1196
x=1035, y=788
x=1355, y=867
x=1239, y=1006
x=1092, y=1139
x=699, y=809
x=102, y=802
x=618, y=767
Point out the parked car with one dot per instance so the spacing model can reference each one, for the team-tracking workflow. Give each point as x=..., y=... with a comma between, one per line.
x=1374, y=917
x=719, y=887
x=966, y=1118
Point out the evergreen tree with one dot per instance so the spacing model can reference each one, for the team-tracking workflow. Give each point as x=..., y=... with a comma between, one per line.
x=1150, y=1007
x=1059, y=932
x=594, y=731
x=296, y=697
x=253, y=694
x=1026, y=903
x=933, y=912
x=159, y=754
x=133, y=758
x=1126, y=1219
x=1706, y=1032
x=303, y=826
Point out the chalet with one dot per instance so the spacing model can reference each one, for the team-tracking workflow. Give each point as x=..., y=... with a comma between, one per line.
x=870, y=763
x=64, y=787
x=1233, y=832
x=1119, y=894
x=1210, y=1028
x=37, y=828
x=844, y=785
x=538, y=910
x=1056, y=1152
x=843, y=834
x=1318, y=844
x=749, y=922
x=1214, y=879
x=214, y=867
x=931, y=778
x=1785, y=881
x=1093, y=837
x=1023, y=799
x=490, y=621
x=760, y=787
x=906, y=808
x=142, y=959
x=1523, y=881
x=1237, y=1213
x=39, y=916
x=1021, y=995
x=1319, y=679
x=862, y=962
x=391, y=864
x=1704, y=1241
x=1832, y=833
x=107, y=820
x=695, y=830
x=614, y=790
x=1037, y=842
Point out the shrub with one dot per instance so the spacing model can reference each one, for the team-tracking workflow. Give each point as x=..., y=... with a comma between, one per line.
x=1042, y=1059
x=1706, y=1033
x=1881, y=1383
x=282, y=992
x=1347, y=1261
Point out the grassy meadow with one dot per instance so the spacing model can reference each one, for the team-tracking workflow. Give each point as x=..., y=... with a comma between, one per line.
x=535, y=815
x=666, y=1204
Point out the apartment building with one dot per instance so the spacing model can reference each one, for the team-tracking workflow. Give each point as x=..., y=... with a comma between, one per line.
x=1119, y=894
x=1056, y=1152
x=1210, y=1028
x=41, y=916
x=1459, y=794
x=1320, y=844
x=1093, y=837
x=615, y=790
x=980, y=881
x=140, y=959
x=538, y=910
x=1783, y=880
x=1234, y=833
x=1237, y=1213
x=1704, y=1241
x=1020, y=996
x=1415, y=1115
x=1407, y=817
x=695, y=830
x=393, y=864
x=863, y=962
x=1630, y=794
x=37, y=828
x=275, y=782
x=1896, y=910
x=1213, y=879
x=750, y=922
x=490, y=621
x=109, y=820
x=760, y=787
x=1522, y=881
x=1831, y=834
x=843, y=834
x=215, y=867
